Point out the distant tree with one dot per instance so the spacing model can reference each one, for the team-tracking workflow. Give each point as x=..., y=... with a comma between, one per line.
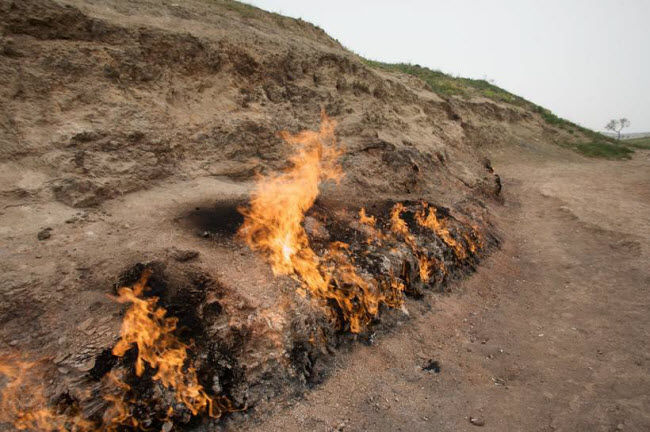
x=617, y=126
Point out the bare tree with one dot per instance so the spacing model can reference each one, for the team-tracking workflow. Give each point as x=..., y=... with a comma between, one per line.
x=617, y=126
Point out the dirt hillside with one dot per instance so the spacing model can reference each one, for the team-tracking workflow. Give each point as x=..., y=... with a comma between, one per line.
x=131, y=132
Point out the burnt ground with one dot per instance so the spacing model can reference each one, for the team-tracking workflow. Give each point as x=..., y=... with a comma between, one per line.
x=549, y=335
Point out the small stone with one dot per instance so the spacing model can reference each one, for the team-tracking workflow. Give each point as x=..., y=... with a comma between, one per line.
x=167, y=426
x=341, y=425
x=87, y=366
x=85, y=325
x=60, y=357
x=432, y=366
x=44, y=234
x=63, y=370
x=620, y=427
x=184, y=255
x=477, y=421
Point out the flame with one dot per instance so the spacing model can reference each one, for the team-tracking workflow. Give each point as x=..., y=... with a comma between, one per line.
x=273, y=222
x=373, y=235
x=273, y=226
x=24, y=405
x=358, y=297
x=474, y=239
x=400, y=227
x=147, y=327
x=426, y=217
x=118, y=413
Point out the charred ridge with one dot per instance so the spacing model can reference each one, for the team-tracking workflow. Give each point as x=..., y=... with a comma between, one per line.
x=239, y=357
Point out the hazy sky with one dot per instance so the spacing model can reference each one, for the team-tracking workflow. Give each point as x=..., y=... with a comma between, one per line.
x=586, y=60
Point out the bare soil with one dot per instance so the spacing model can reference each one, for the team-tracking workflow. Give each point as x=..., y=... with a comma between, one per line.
x=551, y=333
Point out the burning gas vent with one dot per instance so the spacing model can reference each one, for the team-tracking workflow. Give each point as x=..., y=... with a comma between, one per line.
x=355, y=280
x=191, y=355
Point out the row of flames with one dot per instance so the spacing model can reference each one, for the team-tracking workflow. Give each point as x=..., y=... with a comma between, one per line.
x=273, y=226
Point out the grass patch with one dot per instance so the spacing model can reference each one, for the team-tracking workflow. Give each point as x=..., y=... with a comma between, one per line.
x=447, y=85
x=243, y=9
x=603, y=149
x=640, y=143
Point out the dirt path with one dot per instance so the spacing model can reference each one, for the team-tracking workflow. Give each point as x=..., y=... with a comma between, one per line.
x=551, y=334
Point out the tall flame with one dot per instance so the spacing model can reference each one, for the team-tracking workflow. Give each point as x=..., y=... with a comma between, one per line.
x=273, y=222
x=273, y=226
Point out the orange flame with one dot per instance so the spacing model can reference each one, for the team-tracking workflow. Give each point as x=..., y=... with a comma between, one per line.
x=147, y=327
x=474, y=239
x=369, y=223
x=273, y=222
x=359, y=298
x=427, y=218
x=118, y=413
x=273, y=226
x=400, y=227
x=23, y=403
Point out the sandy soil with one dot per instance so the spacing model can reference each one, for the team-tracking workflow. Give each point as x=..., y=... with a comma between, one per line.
x=550, y=334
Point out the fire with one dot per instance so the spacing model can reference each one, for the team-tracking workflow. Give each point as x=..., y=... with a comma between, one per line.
x=474, y=239
x=118, y=413
x=400, y=227
x=24, y=405
x=369, y=223
x=358, y=297
x=273, y=226
x=147, y=327
x=426, y=217
x=273, y=222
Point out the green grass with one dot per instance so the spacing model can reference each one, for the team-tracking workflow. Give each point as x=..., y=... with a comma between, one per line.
x=601, y=149
x=447, y=85
x=640, y=143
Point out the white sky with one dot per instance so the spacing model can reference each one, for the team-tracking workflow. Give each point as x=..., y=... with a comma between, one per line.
x=586, y=60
